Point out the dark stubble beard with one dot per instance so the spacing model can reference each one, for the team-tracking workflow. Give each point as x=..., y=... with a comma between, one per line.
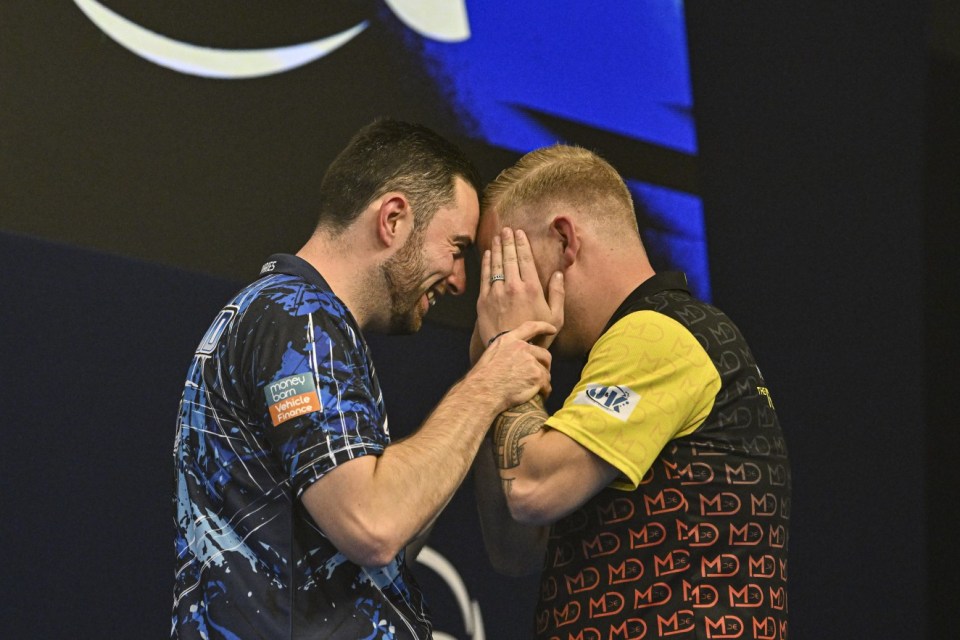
x=403, y=273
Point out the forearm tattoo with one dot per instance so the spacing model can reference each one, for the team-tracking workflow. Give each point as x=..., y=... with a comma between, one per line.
x=512, y=426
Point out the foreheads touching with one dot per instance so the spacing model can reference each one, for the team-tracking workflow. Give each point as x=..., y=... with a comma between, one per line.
x=386, y=156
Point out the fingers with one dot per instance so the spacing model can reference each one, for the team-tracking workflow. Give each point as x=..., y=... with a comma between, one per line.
x=534, y=372
x=496, y=258
x=525, y=263
x=511, y=268
x=515, y=367
x=555, y=297
x=512, y=256
x=545, y=360
x=546, y=389
x=485, y=273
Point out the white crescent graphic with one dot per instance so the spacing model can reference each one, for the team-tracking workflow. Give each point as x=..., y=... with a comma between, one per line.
x=442, y=20
x=470, y=609
x=207, y=62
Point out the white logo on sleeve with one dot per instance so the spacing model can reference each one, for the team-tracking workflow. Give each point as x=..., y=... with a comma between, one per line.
x=618, y=401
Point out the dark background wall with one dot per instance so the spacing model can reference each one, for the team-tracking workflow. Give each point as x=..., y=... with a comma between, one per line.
x=811, y=135
x=828, y=172
x=941, y=340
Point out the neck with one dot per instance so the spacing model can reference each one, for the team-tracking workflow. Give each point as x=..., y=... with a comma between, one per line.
x=600, y=292
x=340, y=261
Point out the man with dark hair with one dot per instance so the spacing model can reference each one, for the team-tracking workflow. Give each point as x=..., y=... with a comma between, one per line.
x=655, y=502
x=293, y=506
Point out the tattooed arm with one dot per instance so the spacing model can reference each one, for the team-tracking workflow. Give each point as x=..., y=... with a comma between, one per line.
x=543, y=476
x=514, y=549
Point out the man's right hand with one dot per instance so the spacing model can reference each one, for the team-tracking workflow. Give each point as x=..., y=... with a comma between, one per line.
x=512, y=369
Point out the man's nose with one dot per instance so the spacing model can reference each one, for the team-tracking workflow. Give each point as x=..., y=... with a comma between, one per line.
x=457, y=281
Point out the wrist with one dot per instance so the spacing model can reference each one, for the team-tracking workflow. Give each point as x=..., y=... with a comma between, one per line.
x=483, y=394
x=494, y=338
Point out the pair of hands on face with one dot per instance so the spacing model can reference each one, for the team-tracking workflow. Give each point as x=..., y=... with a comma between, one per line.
x=504, y=305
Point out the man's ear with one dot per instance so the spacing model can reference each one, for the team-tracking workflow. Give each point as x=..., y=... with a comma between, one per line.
x=566, y=232
x=394, y=219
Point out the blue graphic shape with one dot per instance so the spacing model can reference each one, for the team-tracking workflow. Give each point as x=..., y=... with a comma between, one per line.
x=619, y=68
x=622, y=68
x=674, y=233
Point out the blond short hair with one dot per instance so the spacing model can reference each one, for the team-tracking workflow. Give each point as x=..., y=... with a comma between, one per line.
x=562, y=174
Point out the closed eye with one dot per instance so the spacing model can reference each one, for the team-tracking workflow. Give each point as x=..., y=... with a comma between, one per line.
x=461, y=243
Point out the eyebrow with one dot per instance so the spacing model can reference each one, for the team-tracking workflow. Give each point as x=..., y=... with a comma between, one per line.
x=463, y=239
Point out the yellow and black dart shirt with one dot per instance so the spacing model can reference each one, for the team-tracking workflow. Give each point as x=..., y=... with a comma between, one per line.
x=691, y=540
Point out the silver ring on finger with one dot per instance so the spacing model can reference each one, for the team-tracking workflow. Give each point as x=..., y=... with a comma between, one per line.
x=497, y=276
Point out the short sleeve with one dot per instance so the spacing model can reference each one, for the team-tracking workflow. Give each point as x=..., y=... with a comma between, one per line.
x=315, y=393
x=647, y=381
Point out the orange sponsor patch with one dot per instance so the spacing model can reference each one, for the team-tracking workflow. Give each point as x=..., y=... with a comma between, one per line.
x=291, y=397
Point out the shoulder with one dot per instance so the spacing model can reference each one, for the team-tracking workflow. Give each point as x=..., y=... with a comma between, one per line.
x=647, y=328
x=282, y=299
x=647, y=345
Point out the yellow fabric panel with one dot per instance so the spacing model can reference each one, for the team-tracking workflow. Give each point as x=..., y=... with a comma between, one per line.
x=647, y=381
